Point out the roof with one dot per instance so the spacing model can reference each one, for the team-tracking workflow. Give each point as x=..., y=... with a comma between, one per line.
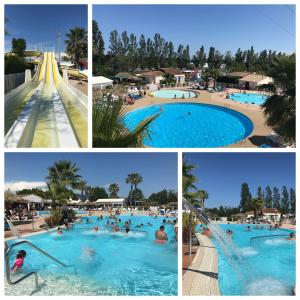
x=32, y=199
x=123, y=75
x=254, y=78
x=172, y=71
x=110, y=201
x=101, y=80
x=153, y=74
x=264, y=210
x=238, y=74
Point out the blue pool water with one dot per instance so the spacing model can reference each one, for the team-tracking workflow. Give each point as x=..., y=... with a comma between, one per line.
x=170, y=94
x=268, y=266
x=248, y=98
x=123, y=264
x=191, y=125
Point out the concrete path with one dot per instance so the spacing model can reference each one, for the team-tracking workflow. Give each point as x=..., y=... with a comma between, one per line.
x=201, y=278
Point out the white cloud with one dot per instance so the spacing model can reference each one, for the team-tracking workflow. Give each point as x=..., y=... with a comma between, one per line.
x=20, y=185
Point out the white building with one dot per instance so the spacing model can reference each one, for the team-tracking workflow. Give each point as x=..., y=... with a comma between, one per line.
x=153, y=77
x=253, y=80
x=272, y=214
x=101, y=82
x=119, y=202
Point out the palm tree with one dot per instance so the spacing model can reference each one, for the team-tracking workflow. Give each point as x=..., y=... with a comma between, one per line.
x=256, y=204
x=77, y=44
x=203, y=196
x=109, y=129
x=82, y=185
x=280, y=108
x=134, y=179
x=61, y=176
x=113, y=190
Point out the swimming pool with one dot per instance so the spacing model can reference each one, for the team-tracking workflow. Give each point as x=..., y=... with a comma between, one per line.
x=172, y=94
x=257, y=99
x=191, y=125
x=266, y=266
x=123, y=264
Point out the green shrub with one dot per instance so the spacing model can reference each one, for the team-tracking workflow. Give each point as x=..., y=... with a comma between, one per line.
x=55, y=218
x=14, y=64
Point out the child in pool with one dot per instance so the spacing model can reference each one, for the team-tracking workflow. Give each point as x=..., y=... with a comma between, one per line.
x=19, y=261
x=59, y=230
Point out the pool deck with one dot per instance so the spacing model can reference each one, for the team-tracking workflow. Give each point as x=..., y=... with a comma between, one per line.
x=201, y=277
x=252, y=111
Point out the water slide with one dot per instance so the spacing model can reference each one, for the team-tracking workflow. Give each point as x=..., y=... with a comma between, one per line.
x=45, y=111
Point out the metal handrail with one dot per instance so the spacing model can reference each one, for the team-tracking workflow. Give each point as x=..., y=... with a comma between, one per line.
x=203, y=217
x=8, y=277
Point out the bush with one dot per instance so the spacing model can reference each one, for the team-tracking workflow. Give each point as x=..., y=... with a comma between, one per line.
x=68, y=214
x=55, y=218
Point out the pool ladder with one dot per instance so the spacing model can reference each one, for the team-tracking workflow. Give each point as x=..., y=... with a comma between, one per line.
x=200, y=214
x=7, y=267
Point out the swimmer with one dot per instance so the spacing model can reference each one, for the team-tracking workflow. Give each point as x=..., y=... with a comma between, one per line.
x=116, y=228
x=127, y=229
x=176, y=233
x=96, y=228
x=160, y=234
x=189, y=113
x=292, y=236
x=248, y=228
x=19, y=261
x=59, y=230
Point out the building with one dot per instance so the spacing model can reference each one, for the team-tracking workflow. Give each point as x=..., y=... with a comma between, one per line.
x=272, y=214
x=153, y=77
x=252, y=81
x=101, y=82
x=179, y=75
x=119, y=202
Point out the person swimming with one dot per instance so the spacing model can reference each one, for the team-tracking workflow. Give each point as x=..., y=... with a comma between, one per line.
x=19, y=261
x=292, y=236
x=176, y=233
x=248, y=228
x=59, y=230
x=160, y=234
x=127, y=229
x=116, y=228
x=96, y=228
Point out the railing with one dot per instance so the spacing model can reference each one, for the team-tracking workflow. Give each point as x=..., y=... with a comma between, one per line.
x=201, y=215
x=7, y=252
x=255, y=238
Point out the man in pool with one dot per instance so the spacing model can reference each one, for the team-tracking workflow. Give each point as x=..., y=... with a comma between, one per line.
x=292, y=236
x=160, y=234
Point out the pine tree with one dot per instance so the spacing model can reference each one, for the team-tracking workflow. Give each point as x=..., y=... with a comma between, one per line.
x=276, y=198
x=292, y=201
x=268, y=198
x=245, y=197
x=285, y=200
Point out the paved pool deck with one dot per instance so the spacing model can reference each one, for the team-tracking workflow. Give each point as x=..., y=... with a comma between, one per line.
x=201, y=277
x=252, y=111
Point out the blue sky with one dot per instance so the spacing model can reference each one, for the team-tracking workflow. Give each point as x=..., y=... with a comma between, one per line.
x=221, y=174
x=159, y=170
x=39, y=24
x=226, y=27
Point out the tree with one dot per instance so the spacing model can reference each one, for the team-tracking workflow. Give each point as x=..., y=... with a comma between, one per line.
x=136, y=195
x=256, y=204
x=260, y=193
x=114, y=189
x=134, y=179
x=77, y=44
x=109, y=128
x=98, y=193
x=81, y=185
x=203, y=196
x=98, y=49
x=142, y=51
x=62, y=175
x=163, y=197
x=245, y=197
x=276, y=198
x=280, y=108
x=292, y=201
x=268, y=198
x=285, y=201
x=18, y=46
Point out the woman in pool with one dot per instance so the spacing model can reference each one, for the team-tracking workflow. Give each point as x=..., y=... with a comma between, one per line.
x=19, y=261
x=59, y=231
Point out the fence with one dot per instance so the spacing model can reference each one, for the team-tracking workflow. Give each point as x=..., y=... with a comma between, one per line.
x=12, y=81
